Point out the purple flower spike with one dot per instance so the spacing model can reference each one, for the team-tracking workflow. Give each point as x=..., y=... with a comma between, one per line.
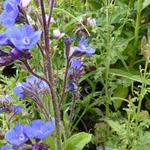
x=16, y=135
x=76, y=69
x=23, y=38
x=39, y=129
x=6, y=147
x=10, y=12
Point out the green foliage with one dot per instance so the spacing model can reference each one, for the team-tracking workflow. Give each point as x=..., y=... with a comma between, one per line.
x=77, y=141
x=114, y=90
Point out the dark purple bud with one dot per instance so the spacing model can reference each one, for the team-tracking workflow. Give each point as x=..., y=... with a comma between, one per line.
x=6, y=60
x=68, y=42
x=27, y=55
x=72, y=86
x=15, y=54
x=40, y=147
x=2, y=53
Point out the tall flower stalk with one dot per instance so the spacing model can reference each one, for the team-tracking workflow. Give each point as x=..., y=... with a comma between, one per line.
x=48, y=67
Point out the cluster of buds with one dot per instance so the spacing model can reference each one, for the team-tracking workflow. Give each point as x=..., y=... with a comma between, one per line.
x=74, y=58
x=7, y=107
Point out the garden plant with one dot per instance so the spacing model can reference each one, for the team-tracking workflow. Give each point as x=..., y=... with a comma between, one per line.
x=74, y=74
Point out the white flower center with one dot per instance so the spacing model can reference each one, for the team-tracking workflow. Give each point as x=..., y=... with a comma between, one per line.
x=26, y=40
x=21, y=137
x=83, y=47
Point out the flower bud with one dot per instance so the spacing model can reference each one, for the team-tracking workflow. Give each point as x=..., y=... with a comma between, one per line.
x=91, y=21
x=25, y=3
x=57, y=34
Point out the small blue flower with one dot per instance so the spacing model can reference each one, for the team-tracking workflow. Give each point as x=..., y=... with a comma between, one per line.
x=72, y=86
x=32, y=84
x=83, y=48
x=6, y=147
x=16, y=135
x=10, y=12
x=23, y=38
x=76, y=64
x=3, y=109
x=76, y=69
x=17, y=109
x=19, y=90
x=39, y=130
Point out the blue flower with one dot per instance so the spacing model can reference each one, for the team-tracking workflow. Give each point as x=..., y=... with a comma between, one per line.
x=17, y=109
x=82, y=48
x=32, y=85
x=76, y=69
x=23, y=38
x=76, y=64
x=16, y=135
x=72, y=86
x=10, y=12
x=19, y=90
x=6, y=147
x=39, y=130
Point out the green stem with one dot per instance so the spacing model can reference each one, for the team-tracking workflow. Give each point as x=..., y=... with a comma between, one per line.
x=138, y=22
x=141, y=96
x=107, y=61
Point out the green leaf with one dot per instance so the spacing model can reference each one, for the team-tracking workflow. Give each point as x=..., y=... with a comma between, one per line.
x=77, y=141
x=129, y=75
x=146, y=3
x=144, y=143
x=122, y=92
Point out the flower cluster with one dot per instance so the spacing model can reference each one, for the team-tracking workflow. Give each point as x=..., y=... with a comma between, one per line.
x=7, y=107
x=73, y=55
x=32, y=87
x=19, y=39
x=38, y=130
x=75, y=71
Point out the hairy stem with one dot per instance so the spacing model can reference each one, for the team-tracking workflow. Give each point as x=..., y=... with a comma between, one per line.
x=50, y=12
x=65, y=83
x=48, y=66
